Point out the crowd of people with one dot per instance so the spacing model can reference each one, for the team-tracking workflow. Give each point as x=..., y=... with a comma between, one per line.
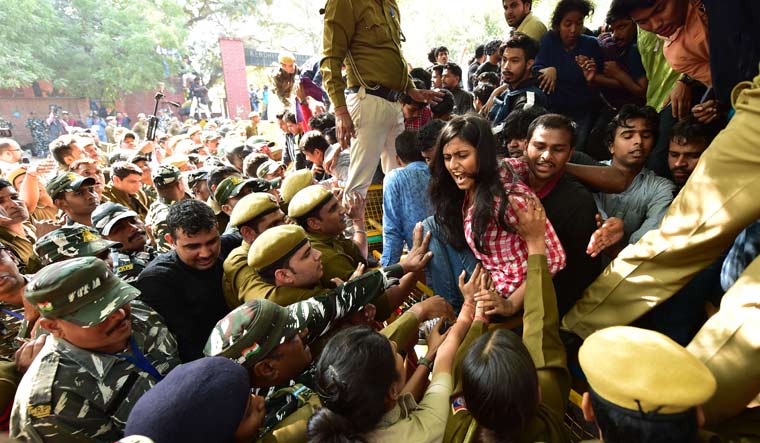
x=580, y=204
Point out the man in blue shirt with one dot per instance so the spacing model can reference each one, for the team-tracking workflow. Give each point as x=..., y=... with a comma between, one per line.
x=405, y=198
x=520, y=89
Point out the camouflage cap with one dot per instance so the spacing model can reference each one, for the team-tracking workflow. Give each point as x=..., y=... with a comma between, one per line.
x=118, y=156
x=71, y=241
x=294, y=182
x=67, y=182
x=196, y=175
x=230, y=187
x=82, y=291
x=105, y=216
x=210, y=135
x=269, y=167
x=257, y=139
x=166, y=175
x=139, y=157
x=250, y=332
x=307, y=199
x=235, y=145
x=275, y=244
x=251, y=206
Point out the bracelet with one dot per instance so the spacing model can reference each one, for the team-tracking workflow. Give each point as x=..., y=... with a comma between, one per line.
x=422, y=361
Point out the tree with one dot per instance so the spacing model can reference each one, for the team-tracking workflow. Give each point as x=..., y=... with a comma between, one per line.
x=89, y=48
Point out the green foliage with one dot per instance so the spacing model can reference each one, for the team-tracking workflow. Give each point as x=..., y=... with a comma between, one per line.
x=89, y=48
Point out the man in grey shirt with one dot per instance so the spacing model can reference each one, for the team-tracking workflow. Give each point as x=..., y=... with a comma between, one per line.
x=630, y=137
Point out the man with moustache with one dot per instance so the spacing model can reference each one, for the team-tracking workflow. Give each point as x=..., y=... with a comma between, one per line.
x=105, y=351
x=75, y=196
x=87, y=167
x=122, y=225
x=520, y=89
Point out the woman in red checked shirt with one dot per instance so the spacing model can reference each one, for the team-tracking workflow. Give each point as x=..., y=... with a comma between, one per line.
x=469, y=189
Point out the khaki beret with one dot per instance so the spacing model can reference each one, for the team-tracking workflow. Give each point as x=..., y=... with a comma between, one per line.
x=251, y=206
x=294, y=182
x=275, y=244
x=307, y=199
x=644, y=371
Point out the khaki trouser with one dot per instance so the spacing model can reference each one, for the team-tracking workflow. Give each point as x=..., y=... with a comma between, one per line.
x=721, y=198
x=729, y=344
x=377, y=122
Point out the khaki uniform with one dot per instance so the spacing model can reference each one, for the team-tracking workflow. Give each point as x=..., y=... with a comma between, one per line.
x=72, y=395
x=9, y=379
x=541, y=338
x=23, y=248
x=138, y=202
x=340, y=256
x=717, y=202
x=42, y=213
x=241, y=283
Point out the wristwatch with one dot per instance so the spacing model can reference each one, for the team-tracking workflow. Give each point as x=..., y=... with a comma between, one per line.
x=685, y=79
x=422, y=361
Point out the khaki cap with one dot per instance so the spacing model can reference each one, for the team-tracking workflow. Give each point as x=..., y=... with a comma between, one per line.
x=251, y=206
x=644, y=371
x=307, y=199
x=275, y=244
x=294, y=182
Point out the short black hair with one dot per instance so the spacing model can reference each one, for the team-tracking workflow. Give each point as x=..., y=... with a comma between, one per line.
x=312, y=141
x=626, y=7
x=123, y=169
x=440, y=49
x=191, y=216
x=428, y=134
x=691, y=131
x=619, y=425
x=252, y=162
x=554, y=121
x=492, y=46
x=445, y=106
x=566, y=6
x=483, y=92
x=524, y=42
x=5, y=184
x=437, y=68
x=421, y=74
x=324, y=123
x=518, y=121
x=406, y=147
x=408, y=100
x=289, y=117
x=630, y=112
x=489, y=77
x=216, y=175
x=480, y=51
x=453, y=68
x=615, y=14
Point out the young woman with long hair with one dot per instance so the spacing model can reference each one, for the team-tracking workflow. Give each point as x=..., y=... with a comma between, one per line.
x=469, y=188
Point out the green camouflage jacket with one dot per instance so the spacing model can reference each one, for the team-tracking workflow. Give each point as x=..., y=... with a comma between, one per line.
x=73, y=395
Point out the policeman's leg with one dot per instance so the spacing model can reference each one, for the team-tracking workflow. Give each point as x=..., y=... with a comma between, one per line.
x=372, y=126
x=729, y=344
x=719, y=200
x=388, y=154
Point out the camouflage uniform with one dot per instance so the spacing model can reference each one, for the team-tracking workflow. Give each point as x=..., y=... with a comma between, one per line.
x=71, y=394
x=39, y=131
x=156, y=222
x=13, y=326
x=128, y=265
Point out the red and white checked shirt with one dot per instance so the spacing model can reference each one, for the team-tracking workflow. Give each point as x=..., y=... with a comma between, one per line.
x=507, y=260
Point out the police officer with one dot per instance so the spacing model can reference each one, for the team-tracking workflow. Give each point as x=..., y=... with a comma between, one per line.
x=105, y=351
x=168, y=182
x=661, y=388
x=294, y=182
x=253, y=214
x=120, y=224
x=75, y=196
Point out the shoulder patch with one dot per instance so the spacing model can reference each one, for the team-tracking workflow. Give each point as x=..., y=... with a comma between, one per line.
x=38, y=411
x=458, y=404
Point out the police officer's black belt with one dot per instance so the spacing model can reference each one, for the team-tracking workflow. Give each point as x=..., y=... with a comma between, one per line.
x=380, y=91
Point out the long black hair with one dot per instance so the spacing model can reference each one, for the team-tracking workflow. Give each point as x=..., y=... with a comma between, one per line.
x=447, y=198
x=354, y=374
x=500, y=385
